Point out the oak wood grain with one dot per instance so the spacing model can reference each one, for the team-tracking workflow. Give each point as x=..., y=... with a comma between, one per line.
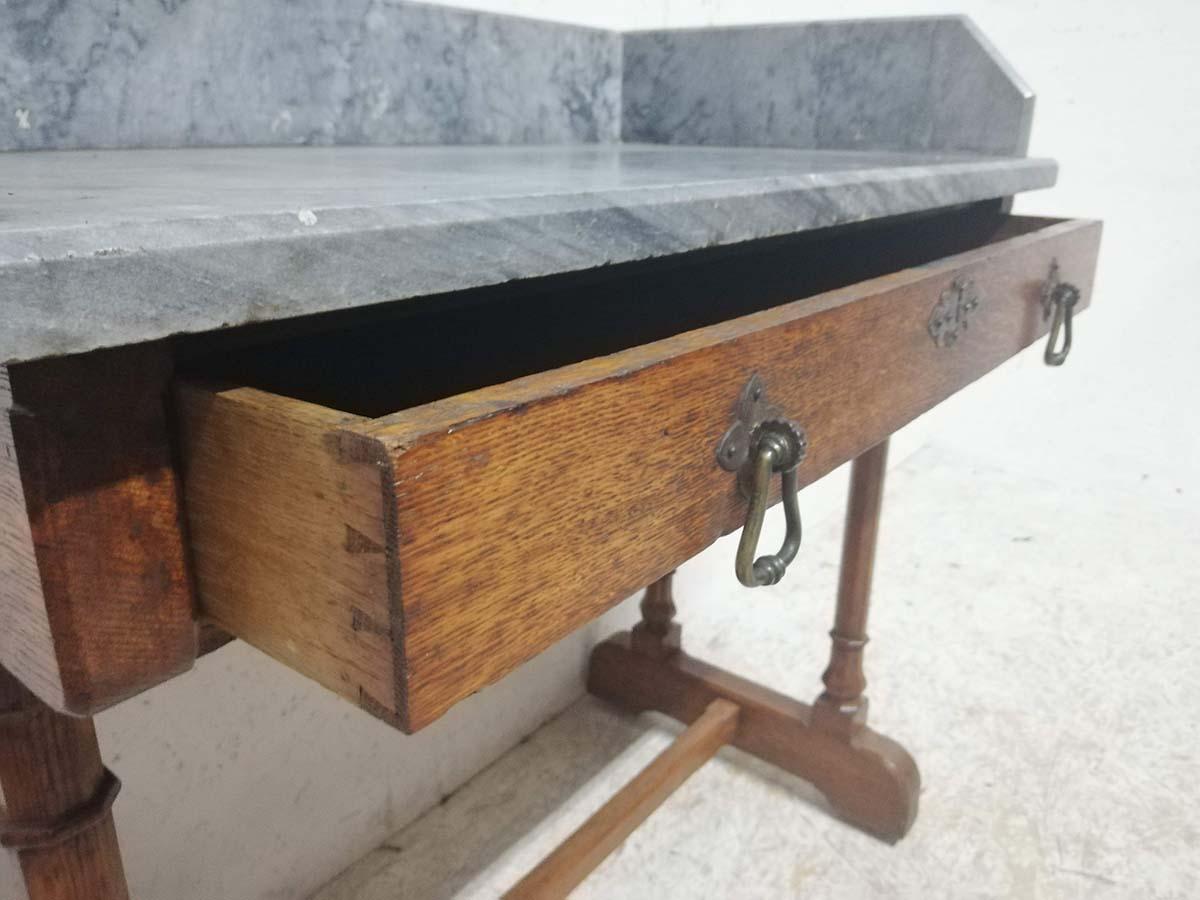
x=510, y=515
x=26, y=640
x=527, y=509
x=95, y=592
x=288, y=541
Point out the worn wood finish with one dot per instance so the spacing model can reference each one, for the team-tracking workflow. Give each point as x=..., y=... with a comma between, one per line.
x=513, y=514
x=842, y=702
x=261, y=476
x=95, y=595
x=49, y=767
x=576, y=857
x=869, y=780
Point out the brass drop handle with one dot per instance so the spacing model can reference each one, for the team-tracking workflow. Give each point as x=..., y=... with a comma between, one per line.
x=779, y=446
x=1058, y=299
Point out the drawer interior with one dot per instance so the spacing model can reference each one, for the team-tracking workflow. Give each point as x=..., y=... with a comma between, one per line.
x=395, y=356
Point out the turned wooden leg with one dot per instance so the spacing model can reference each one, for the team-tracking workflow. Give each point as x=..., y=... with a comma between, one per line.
x=842, y=705
x=657, y=635
x=869, y=780
x=57, y=798
x=841, y=709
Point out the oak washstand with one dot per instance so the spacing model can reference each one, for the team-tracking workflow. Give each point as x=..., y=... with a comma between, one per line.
x=403, y=410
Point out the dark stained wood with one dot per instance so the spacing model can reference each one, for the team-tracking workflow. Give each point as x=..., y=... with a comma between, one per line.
x=94, y=586
x=475, y=531
x=842, y=701
x=576, y=857
x=657, y=634
x=869, y=780
x=50, y=767
x=210, y=637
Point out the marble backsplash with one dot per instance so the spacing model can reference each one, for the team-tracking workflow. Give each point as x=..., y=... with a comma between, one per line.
x=164, y=73
x=140, y=73
x=918, y=84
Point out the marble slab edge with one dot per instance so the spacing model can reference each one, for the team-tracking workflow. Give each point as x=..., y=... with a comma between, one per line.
x=159, y=279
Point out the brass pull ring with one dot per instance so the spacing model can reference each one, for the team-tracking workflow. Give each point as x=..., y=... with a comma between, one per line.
x=1058, y=299
x=781, y=446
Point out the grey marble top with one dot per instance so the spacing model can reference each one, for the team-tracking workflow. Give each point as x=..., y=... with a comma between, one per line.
x=104, y=248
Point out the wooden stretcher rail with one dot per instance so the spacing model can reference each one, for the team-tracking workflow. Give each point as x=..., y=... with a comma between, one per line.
x=576, y=857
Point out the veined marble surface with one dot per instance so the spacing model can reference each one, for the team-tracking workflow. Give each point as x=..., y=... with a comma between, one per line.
x=924, y=83
x=104, y=248
x=128, y=73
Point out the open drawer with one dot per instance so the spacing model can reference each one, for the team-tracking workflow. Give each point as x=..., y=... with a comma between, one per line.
x=405, y=556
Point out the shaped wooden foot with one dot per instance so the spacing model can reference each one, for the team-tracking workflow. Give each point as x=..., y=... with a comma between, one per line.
x=869, y=780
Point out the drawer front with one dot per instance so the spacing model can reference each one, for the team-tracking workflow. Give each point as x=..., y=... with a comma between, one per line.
x=410, y=560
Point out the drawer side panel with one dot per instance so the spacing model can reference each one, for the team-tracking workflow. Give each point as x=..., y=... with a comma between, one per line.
x=288, y=540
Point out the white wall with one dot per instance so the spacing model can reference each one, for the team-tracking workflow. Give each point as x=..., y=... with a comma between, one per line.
x=243, y=780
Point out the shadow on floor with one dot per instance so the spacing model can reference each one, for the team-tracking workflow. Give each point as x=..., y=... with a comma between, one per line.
x=546, y=787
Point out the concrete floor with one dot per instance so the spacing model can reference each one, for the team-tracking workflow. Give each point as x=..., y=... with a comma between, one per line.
x=1037, y=656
